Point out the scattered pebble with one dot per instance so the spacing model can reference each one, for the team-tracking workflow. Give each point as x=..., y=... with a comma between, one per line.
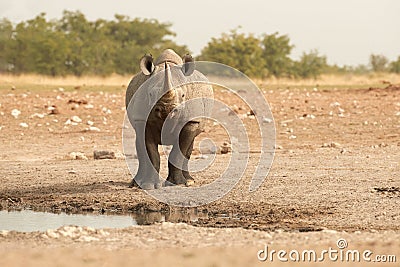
x=76, y=119
x=92, y=129
x=77, y=156
x=15, y=113
x=331, y=144
x=38, y=115
x=88, y=106
x=267, y=120
x=53, y=110
x=225, y=148
x=24, y=125
x=102, y=154
x=106, y=110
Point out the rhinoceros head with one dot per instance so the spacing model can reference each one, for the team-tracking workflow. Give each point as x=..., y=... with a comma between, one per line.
x=165, y=67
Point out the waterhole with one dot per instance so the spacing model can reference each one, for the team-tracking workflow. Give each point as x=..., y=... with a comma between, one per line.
x=30, y=221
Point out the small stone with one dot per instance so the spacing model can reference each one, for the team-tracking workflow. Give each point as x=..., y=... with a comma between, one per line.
x=225, y=148
x=102, y=154
x=88, y=106
x=332, y=144
x=24, y=125
x=93, y=129
x=38, y=115
x=15, y=113
x=90, y=123
x=266, y=120
x=53, y=110
x=76, y=119
x=77, y=156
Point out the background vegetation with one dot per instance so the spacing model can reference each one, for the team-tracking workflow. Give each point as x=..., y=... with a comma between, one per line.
x=73, y=45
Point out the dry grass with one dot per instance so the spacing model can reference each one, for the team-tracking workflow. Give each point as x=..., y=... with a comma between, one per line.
x=348, y=80
x=34, y=79
x=326, y=80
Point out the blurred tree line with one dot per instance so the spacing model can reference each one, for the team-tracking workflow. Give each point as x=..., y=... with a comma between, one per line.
x=73, y=45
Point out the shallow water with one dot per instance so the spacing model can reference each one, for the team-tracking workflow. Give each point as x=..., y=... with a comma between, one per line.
x=30, y=221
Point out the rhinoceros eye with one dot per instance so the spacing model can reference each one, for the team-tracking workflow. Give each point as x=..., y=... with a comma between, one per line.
x=183, y=95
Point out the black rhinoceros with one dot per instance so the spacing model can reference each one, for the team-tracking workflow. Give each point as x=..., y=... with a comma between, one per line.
x=166, y=104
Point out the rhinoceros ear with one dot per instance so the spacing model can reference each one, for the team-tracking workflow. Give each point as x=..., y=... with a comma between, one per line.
x=146, y=65
x=188, y=65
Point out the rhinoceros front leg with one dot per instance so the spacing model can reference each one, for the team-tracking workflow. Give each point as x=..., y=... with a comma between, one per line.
x=185, y=169
x=180, y=155
x=147, y=176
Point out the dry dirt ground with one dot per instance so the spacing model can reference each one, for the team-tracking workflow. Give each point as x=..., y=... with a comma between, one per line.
x=336, y=174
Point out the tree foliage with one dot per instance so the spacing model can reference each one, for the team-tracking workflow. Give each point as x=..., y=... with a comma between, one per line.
x=310, y=65
x=378, y=62
x=276, y=51
x=395, y=66
x=237, y=50
x=74, y=45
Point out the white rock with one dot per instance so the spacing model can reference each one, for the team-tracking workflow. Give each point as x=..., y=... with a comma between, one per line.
x=93, y=129
x=76, y=119
x=106, y=110
x=15, y=113
x=77, y=156
x=397, y=113
x=88, y=106
x=90, y=123
x=68, y=122
x=38, y=115
x=266, y=120
x=24, y=125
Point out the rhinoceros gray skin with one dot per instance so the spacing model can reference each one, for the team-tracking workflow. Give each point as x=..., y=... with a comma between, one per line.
x=168, y=90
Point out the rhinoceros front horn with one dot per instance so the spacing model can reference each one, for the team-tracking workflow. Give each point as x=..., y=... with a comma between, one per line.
x=188, y=65
x=146, y=65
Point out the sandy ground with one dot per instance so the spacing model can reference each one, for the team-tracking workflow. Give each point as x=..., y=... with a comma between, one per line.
x=336, y=174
